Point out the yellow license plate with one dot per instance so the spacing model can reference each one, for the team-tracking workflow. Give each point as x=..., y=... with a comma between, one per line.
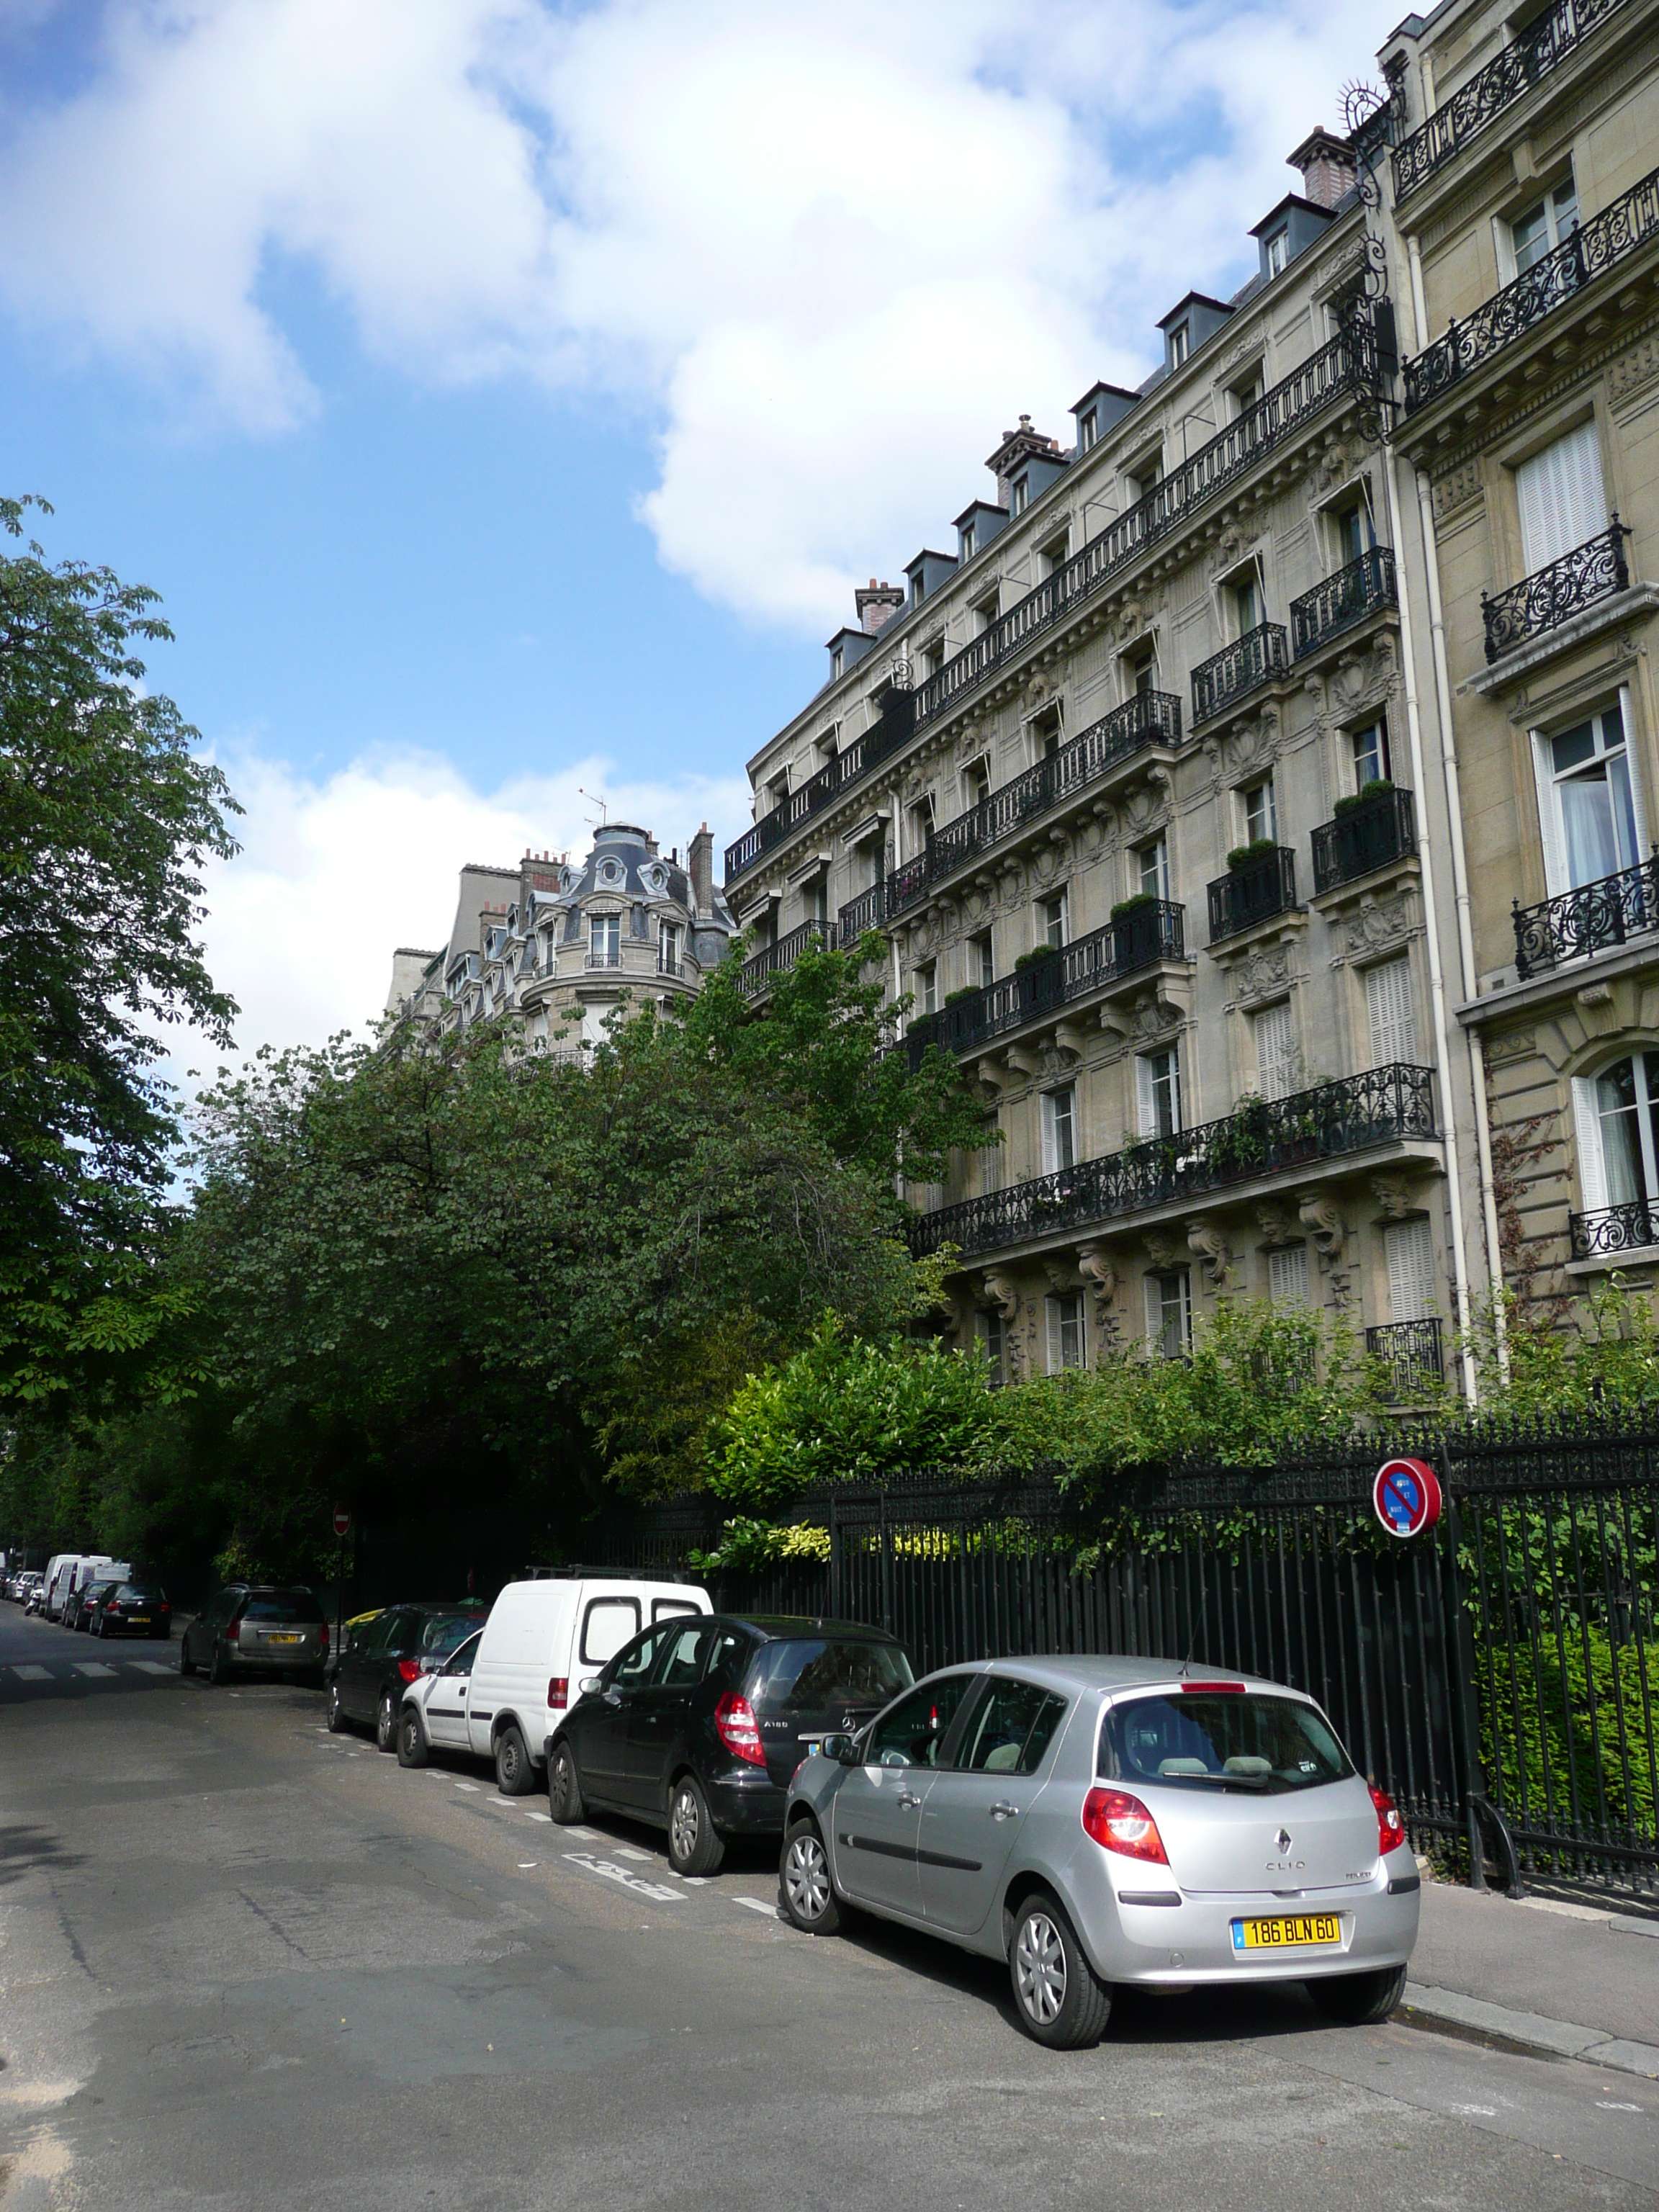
x=285, y=1639
x=1288, y=1931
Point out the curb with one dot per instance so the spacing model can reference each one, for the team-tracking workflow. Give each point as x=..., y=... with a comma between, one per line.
x=1558, y=2038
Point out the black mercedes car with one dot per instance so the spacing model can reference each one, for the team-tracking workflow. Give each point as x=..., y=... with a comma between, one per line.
x=382, y=1657
x=132, y=1608
x=698, y=1725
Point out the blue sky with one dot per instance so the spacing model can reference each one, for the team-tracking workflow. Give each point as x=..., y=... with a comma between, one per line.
x=506, y=398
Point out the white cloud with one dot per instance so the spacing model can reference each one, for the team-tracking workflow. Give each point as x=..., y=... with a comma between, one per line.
x=335, y=873
x=828, y=251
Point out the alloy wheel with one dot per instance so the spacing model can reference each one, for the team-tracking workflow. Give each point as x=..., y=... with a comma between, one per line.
x=682, y=1824
x=806, y=1875
x=1040, y=1962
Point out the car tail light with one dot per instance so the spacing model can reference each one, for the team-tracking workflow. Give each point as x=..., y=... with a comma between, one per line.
x=112, y=1605
x=234, y=1633
x=322, y=1633
x=1119, y=1822
x=1390, y=1827
x=558, y=1692
x=738, y=1729
x=409, y=1670
x=1227, y=1689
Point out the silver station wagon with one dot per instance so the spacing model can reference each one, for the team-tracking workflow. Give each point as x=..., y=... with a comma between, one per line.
x=1098, y=1822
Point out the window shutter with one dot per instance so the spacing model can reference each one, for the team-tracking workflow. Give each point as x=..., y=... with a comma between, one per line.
x=1175, y=1113
x=1409, y=1247
x=1559, y=495
x=1393, y=1023
x=1587, y=1125
x=1275, y=1050
x=1146, y=1109
x=1549, y=817
x=1287, y=1276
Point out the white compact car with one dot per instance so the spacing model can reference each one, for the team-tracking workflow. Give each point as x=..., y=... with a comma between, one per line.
x=502, y=1693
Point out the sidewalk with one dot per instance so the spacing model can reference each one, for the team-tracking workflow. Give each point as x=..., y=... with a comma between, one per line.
x=1579, y=1980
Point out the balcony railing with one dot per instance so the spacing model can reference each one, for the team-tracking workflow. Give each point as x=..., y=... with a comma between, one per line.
x=612, y=958
x=756, y=973
x=670, y=964
x=1594, y=247
x=1343, y=599
x=1543, y=601
x=1575, y=924
x=867, y=911
x=884, y=737
x=1146, y=718
x=1628, y=1228
x=1366, y=837
x=1131, y=942
x=1253, y=893
x=1515, y=70
x=1238, y=669
x=1346, y=364
x=1411, y=1351
x=1262, y=1137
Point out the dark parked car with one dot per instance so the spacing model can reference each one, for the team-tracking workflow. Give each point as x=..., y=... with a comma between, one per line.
x=383, y=1655
x=256, y=1629
x=698, y=1726
x=80, y=1606
x=132, y=1609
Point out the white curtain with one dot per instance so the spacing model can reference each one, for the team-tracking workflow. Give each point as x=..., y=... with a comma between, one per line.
x=1560, y=497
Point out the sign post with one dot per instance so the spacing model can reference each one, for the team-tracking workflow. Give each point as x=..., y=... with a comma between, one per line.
x=342, y=1530
x=1406, y=1496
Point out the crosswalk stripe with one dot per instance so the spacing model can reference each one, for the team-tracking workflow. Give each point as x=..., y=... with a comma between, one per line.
x=93, y=1667
x=150, y=1667
x=32, y=1674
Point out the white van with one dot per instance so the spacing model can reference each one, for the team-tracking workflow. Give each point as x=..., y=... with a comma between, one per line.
x=66, y=1574
x=542, y=1638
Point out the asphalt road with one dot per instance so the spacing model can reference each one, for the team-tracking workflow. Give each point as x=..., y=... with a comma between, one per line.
x=247, y=1964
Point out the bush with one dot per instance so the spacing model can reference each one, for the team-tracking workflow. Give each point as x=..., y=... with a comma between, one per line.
x=1135, y=905
x=1245, y=856
x=1367, y=791
x=1036, y=956
x=967, y=991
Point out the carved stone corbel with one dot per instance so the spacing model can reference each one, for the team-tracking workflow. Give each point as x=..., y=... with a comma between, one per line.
x=1002, y=1293
x=1321, y=1217
x=1204, y=1238
x=1095, y=1266
x=1019, y=1059
x=1166, y=1252
x=1069, y=1038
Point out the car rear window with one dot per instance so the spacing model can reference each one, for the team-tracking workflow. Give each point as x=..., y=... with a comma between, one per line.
x=802, y=1674
x=607, y=1625
x=446, y=1631
x=1221, y=1740
x=283, y=1604
x=140, y=1594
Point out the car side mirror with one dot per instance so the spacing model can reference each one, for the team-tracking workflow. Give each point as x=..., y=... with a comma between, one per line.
x=843, y=1749
x=588, y=1684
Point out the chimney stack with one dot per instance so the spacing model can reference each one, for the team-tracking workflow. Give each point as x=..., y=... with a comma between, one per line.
x=877, y=605
x=700, y=864
x=1330, y=169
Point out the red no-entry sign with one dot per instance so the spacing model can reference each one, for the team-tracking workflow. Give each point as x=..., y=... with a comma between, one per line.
x=1407, y=1496
x=341, y=1522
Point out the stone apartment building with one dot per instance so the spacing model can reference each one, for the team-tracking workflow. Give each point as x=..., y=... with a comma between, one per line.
x=1130, y=777
x=558, y=946
x=1523, y=191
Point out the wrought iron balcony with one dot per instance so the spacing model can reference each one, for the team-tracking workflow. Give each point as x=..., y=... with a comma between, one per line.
x=1596, y=247
x=1346, y=365
x=1546, y=40
x=1365, y=837
x=1575, y=924
x=669, y=963
x=1131, y=942
x=1146, y=718
x=867, y=911
x=756, y=973
x=1261, y=1137
x=1253, y=893
x=1543, y=601
x=886, y=734
x=1628, y=1228
x=1343, y=599
x=610, y=959
x=1411, y=1351
x=1238, y=669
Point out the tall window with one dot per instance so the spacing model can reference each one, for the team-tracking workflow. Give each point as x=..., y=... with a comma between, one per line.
x=604, y=939
x=1279, y=253
x=1020, y=496
x=991, y=1335
x=1157, y=1092
x=1392, y=1016
x=1143, y=671
x=1247, y=604
x=1261, y=813
x=815, y=899
x=1180, y=344
x=1054, y=913
x=1170, y=1312
x=1351, y=525
x=1408, y=1251
x=1059, y=1129
x=1370, y=753
x=1066, y=1339
x=1586, y=803
x=1287, y=1275
x=982, y=968
x=1559, y=497
x=668, y=947
x=977, y=782
x=1544, y=225
x=1277, y=1059
x=928, y=987
x=1086, y=431
x=1151, y=867
x=1615, y=1113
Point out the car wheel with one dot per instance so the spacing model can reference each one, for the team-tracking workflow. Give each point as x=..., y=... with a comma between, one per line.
x=695, y=1845
x=385, y=1724
x=219, y=1665
x=412, y=1739
x=564, y=1786
x=1057, y=1995
x=1359, y=2000
x=805, y=1889
x=514, y=1777
x=336, y=1714
x=186, y=1664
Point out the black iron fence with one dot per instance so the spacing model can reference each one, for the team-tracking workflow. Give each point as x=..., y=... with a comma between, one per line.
x=1377, y=832
x=1361, y=588
x=1574, y=924
x=1632, y=1227
x=1238, y=669
x=1498, y=1675
x=758, y=972
x=1254, y=891
x=1552, y=595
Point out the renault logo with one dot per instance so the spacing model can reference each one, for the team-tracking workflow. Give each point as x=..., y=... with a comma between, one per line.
x=1283, y=1839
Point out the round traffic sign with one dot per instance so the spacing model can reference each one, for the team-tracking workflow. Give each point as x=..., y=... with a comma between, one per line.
x=341, y=1522
x=1407, y=1496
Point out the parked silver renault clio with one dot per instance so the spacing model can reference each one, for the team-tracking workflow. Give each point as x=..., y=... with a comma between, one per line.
x=1102, y=1821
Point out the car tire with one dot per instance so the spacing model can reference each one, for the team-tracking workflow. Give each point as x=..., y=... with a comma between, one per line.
x=186, y=1664
x=219, y=1666
x=695, y=1844
x=1359, y=2000
x=1059, y=2000
x=564, y=1786
x=514, y=1776
x=805, y=1889
x=335, y=1719
x=413, y=1750
x=386, y=1724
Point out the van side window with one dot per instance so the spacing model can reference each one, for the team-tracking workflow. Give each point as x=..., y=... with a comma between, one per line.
x=607, y=1625
x=671, y=1608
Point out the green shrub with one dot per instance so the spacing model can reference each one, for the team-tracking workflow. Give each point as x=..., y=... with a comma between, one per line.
x=1134, y=905
x=967, y=991
x=1037, y=955
x=1244, y=856
x=1367, y=791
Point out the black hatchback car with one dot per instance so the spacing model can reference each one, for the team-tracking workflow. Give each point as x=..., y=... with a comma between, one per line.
x=698, y=1725
x=384, y=1656
x=132, y=1608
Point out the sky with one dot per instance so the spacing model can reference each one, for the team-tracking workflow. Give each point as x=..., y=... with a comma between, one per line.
x=506, y=396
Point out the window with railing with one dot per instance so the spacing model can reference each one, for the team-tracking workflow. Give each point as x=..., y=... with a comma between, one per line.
x=1552, y=595
x=605, y=940
x=1368, y=834
x=1262, y=886
x=1238, y=669
x=1142, y=933
x=1363, y=587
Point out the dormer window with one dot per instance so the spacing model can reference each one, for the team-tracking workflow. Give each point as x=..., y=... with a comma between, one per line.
x=1278, y=250
x=837, y=663
x=918, y=587
x=969, y=548
x=1180, y=344
x=1088, y=431
x=1020, y=496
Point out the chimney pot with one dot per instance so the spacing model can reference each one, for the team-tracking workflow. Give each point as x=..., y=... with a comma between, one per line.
x=700, y=867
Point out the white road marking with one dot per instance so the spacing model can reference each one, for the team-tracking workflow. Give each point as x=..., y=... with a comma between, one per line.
x=525, y=1865
x=695, y=1881
x=1616, y=2108
x=529, y=1815
x=502, y=1804
x=588, y=1835
x=33, y=1673
x=610, y=1871
x=472, y=1786
x=627, y=1851
x=94, y=1667
x=150, y=1667
x=759, y=1905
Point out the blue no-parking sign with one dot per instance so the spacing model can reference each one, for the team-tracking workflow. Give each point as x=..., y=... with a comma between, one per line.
x=1407, y=1496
